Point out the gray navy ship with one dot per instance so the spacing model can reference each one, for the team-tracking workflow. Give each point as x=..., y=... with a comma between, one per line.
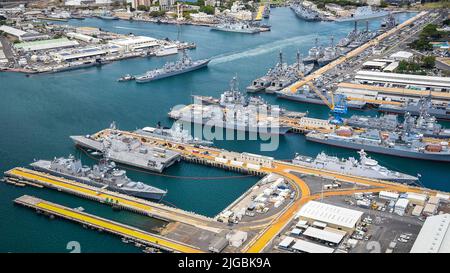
x=233, y=111
x=364, y=13
x=238, y=27
x=364, y=167
x=439, y=111
x=402, y=143
x=103, y=175
x=184, y=65
x=305, y=13
x=330, y=54
x=130, y=151
x=424, y=124
x=176, y=134
x=314, y=53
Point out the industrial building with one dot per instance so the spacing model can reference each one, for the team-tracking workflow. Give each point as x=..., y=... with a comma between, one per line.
x=46, y=44
x=21, y=35
x=324, y=235
x=395, y=94
x=135, y=42
x=434, y=237
x=308, y=247
x=334, y=216
x=404, y=80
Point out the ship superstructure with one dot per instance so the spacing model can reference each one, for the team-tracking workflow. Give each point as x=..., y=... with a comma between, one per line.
x=234, y=111
x=402, y=143
x=184, y=65
x=176, y=133
x=305, y=13
x=103, y=175
x=364, y=167
x=129, y=151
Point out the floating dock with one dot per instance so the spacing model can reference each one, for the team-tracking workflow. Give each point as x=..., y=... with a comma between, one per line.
x=105, y=224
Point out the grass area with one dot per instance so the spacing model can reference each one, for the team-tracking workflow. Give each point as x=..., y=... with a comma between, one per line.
x=444, y=4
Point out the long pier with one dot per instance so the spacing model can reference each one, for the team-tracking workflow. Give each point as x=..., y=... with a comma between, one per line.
x=293, y=88
x=105, y=224
x=140, y=206
x=267, y=230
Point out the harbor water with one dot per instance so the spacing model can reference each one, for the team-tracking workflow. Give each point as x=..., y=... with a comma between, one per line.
x=40, y=112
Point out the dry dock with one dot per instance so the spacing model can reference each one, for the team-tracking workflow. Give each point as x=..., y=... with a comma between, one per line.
x=105, y=224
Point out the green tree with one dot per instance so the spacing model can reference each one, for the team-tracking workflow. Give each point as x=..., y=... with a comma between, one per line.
x=428, y=62
x=142, y=8
x=207, y=9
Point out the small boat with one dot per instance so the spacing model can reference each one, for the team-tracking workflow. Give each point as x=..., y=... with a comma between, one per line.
x=126, y=78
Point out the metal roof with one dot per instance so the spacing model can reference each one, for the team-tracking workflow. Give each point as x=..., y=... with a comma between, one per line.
x=324, y=235
x=403, y=78
x=330, y=214
x=309, y=247
x=434, y=237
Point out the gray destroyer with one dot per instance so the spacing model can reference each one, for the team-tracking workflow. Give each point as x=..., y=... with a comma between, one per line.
x=305, y=13
x=238, y=27
x=233, y=111
x=176, y=134
x=364, y=167
x=103, y=175
x=399, y=143
x=184, y=65
x=424, y=124
x=439, y=111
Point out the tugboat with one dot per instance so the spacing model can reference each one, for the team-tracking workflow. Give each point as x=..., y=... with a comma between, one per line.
x=126, y=78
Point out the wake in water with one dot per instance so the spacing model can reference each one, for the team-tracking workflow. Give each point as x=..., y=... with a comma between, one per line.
x=264, y=48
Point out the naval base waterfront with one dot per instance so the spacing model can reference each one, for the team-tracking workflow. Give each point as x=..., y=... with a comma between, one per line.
x=40, y=112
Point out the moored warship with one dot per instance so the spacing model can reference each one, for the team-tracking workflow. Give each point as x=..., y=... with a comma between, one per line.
x=184, y=65
x=263, y=82
x=439, y=111
x=314, y=53
x=424, y=124
x=234, y=111
x=364, y=167
x=239, y=27
x=388, y=22
x=402, y=143
x=330, y=54
x=129, y=151
x=364, y=13
x=305, y=13
x=176, y=133
x=289, y=75
x=103, y=175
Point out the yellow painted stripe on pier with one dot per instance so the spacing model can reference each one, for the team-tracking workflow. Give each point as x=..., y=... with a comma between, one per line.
x=83, y=190
x=259, y=15
x=118, y=228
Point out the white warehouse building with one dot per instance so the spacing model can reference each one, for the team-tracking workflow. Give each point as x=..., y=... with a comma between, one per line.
x=135, y=42
x=334, y=216
x=434, y=237
x=404, y=80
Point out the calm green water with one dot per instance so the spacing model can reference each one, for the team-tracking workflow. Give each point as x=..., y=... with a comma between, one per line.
x=37, y=114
